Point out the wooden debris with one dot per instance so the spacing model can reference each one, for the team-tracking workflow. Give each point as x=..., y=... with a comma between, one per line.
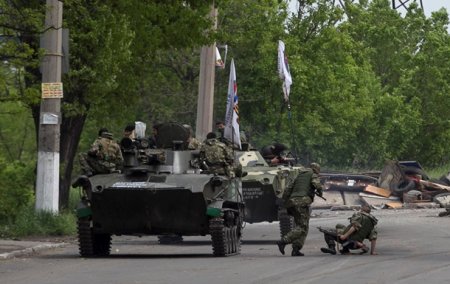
x=377, y=201
x=394, y=205
x=378, y=191
x=436, y=186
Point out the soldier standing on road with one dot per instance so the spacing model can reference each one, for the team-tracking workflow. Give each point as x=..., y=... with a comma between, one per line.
x=103, y=157
x=362, y=226
x=298, y=198
x=216, y=156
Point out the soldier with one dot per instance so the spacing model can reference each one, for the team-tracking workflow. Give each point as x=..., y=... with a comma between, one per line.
x=103, y=157
x=297, y=198
x=272, y=153
x=193, y=143
x=362, y=226
x=153, y=139
x=220, y=128
x=216, y=156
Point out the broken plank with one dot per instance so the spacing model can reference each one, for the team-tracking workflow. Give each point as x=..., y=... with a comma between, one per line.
x=378, y=191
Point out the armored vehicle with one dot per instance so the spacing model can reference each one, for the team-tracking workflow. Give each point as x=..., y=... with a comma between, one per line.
x=160, y=191
x=263, y=187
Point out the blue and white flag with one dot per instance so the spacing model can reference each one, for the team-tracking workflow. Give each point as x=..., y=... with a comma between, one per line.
x=231, y=131
x=283, y=70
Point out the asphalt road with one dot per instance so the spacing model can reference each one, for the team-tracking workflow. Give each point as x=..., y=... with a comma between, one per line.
x=413, y=247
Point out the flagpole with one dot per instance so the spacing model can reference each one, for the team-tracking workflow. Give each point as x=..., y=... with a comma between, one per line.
x=285, y=75
x=294, y=146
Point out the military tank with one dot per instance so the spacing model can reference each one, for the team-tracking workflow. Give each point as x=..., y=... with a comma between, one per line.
x=160, y=191
x=263, y=187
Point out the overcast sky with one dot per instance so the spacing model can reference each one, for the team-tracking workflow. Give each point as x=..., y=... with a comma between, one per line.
x=428, y=5
x=434, y=5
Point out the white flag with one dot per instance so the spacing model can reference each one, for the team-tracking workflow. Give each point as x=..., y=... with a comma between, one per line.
x=219, y=61
x=283, y=70
x=231, y=131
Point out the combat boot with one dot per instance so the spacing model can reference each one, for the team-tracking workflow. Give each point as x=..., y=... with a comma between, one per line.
x=330, y=249
x=296, y=251
x=281, y=245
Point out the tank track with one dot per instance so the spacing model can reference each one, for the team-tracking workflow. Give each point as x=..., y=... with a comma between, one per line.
x=286, y=222
x=91, y=244
x=226, y=241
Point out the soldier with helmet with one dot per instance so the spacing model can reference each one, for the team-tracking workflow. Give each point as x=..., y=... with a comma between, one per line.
x=362, y=226
x=297, y=198
x=103, y=157
x=273, y=153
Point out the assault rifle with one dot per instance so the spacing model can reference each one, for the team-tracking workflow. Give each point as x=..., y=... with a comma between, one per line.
x=315, y=192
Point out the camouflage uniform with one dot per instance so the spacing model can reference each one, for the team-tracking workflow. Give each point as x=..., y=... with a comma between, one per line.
x=104, y=156
x=298, y=198
x=217, y=156
x=194, y=144
x=365, y=225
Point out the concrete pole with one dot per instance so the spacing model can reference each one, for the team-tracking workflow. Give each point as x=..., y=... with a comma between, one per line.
x=47, y=182
x=205, y=101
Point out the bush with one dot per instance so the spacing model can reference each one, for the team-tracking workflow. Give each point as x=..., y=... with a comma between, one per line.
x=31, y=223
x=16, y=188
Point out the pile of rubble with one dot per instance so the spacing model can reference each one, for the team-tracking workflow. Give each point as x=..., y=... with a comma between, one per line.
x=399, y=185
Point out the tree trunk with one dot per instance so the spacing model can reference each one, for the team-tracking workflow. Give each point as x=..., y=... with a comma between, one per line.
x=71, y=128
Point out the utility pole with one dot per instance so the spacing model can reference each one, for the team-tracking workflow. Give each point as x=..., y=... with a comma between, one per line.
x=403, y=4
x=205, y=101
x=47, y=181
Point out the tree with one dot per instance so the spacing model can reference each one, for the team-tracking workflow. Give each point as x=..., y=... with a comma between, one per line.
x=112, y=43
x=251, y=29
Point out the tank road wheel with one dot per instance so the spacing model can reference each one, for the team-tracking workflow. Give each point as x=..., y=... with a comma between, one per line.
x=225, y=240
x=218, y=236
x=85, y=238
x=286, y=222
x=91, y=244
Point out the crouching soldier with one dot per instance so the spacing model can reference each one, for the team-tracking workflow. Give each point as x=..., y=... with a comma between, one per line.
x=362, y=226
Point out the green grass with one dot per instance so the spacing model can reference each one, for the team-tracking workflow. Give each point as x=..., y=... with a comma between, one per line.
x=29, y=222
x=436, y=173
x=43, y=223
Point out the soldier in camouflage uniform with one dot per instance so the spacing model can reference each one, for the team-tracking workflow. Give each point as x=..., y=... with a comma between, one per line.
x=193, y=143
x=216, y=156
x=103, y=157
x=362, y=226
x=298, y=198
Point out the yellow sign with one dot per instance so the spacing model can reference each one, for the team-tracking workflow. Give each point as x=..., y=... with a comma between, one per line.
x=52, y=90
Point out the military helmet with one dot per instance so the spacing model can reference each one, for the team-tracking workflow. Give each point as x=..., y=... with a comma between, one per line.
x=102, y=130
x=315, y=167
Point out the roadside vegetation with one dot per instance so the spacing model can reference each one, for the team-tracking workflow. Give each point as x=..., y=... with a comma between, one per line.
x=369, y=84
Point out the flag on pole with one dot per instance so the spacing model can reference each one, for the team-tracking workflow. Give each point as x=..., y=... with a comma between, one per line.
x=283, y=70
x=219, y=61
x=231, y=131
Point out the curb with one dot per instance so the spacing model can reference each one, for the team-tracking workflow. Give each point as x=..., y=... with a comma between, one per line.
x=30, y=251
